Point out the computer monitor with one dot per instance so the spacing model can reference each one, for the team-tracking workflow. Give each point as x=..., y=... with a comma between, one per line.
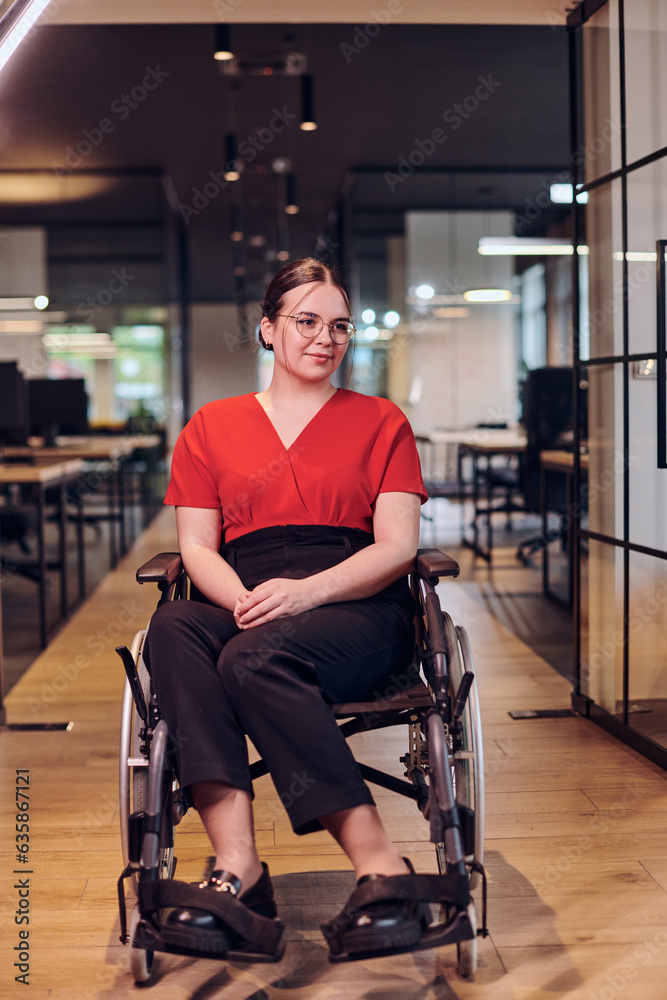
x=547, y=406
x=57, y=406
x=14, y=409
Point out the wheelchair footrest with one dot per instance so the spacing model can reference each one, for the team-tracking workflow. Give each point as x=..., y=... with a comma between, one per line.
x=241, y=934
x=349, y=940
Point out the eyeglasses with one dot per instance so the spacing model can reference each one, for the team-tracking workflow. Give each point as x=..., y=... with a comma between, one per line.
x=310, y=324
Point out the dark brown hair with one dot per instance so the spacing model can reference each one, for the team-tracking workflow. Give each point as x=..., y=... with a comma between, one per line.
x=296, y=273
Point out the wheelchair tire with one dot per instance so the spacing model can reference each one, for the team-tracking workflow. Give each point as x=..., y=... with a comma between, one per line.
x=141, y=959
x=473, y=743
x=134, y=780
x=466, y=951
x=468, y=762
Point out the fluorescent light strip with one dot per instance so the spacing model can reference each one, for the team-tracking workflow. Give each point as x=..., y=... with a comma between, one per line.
x=488, y=295
x=650, y=256
x=17, y=25
x=17, y=304
x=525, y=246
x=13, y=326
x=504, y=246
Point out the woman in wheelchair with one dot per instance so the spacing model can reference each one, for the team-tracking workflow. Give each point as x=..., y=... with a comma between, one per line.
x=316, y=492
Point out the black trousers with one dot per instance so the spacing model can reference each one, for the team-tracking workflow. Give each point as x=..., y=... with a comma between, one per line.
x=276, y=682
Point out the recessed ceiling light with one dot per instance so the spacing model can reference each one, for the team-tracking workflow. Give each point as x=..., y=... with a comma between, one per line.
x=487, y=295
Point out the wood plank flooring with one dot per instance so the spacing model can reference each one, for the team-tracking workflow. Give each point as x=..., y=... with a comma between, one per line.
x=576, y=849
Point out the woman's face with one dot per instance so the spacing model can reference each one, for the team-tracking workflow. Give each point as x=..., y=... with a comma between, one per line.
x=311, y=359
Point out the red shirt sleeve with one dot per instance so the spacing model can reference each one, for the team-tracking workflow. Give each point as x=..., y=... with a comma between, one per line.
x=191, y=483
x=399, y=469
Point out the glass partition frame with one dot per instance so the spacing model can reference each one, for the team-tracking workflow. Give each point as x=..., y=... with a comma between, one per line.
x=623, y=539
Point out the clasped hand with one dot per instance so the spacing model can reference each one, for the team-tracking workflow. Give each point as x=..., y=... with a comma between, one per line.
x=273, y=599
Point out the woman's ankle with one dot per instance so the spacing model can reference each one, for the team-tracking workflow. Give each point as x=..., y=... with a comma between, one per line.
x=383, y=864
x=247, y=870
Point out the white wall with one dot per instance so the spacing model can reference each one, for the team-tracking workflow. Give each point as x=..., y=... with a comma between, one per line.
x=223, y=358
x=467, y=365
x=22, y=261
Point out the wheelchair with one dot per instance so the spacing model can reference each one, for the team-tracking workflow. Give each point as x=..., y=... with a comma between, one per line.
x=444, y=775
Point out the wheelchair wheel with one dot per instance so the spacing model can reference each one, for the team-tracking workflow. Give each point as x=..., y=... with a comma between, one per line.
x=468, y=758
x=141, y=960
x=472, y=775
x=133, y=776
x=466, y=951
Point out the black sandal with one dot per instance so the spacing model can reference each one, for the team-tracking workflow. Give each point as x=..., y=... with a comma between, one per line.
x=390, y=914
x=212, y=919
x=381, y=917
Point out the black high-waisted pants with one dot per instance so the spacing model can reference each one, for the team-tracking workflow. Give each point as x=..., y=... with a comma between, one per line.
x=276, y=682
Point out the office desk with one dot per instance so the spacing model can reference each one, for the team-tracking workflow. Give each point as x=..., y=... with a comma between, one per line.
x=559, y=463
x=483, y=445
x=112, y=453
x=37, y=479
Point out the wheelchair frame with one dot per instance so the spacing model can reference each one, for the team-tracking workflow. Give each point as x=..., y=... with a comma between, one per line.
x=444, y=772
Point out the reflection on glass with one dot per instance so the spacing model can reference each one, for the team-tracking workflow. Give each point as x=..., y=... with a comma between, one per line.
x=605, y=271
x=604, y=489
x=647, y=627
x=601, y=666
x=648, y=483
x=647, y=222
x=645, y=40
x=601, y=151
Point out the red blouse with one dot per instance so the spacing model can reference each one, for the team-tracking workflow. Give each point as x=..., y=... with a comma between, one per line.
x=230, y=456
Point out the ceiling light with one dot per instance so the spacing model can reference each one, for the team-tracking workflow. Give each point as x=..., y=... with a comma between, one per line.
x=236, y=229
x=368, y=316
x=424, y=292
x=281, y=164
x=391, y=319
x=524, y=246
x=17, y=304
x=19, y=19
x=561, y=194
x=487, y=295
x=636, y=255
x=371, y=333
x=20, y=326
x=223, y=48
x=308, y=123
x=41, y=301
x=232, y=166
x=291, y=205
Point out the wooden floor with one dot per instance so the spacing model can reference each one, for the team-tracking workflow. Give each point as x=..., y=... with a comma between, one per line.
x=576, y=848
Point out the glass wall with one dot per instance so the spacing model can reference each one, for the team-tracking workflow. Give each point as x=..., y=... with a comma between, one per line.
x=619, y=64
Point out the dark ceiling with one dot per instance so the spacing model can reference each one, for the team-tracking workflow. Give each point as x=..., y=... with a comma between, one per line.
x=375, y=105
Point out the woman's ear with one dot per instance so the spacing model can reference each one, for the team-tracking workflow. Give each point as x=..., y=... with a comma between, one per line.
x=265, y=333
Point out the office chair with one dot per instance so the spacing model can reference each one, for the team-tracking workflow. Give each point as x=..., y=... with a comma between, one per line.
x=548, y=416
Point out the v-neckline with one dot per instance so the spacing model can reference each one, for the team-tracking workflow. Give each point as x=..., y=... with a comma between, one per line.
x=303, y=430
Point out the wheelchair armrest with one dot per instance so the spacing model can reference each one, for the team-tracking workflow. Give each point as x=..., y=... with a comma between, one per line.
x=434, y=563
x=164, y=568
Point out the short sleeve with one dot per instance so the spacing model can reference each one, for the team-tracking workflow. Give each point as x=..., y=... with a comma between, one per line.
x=192, y=483
x=402, y=468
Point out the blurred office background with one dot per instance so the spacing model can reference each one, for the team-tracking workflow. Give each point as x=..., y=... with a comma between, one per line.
x=149, y=190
